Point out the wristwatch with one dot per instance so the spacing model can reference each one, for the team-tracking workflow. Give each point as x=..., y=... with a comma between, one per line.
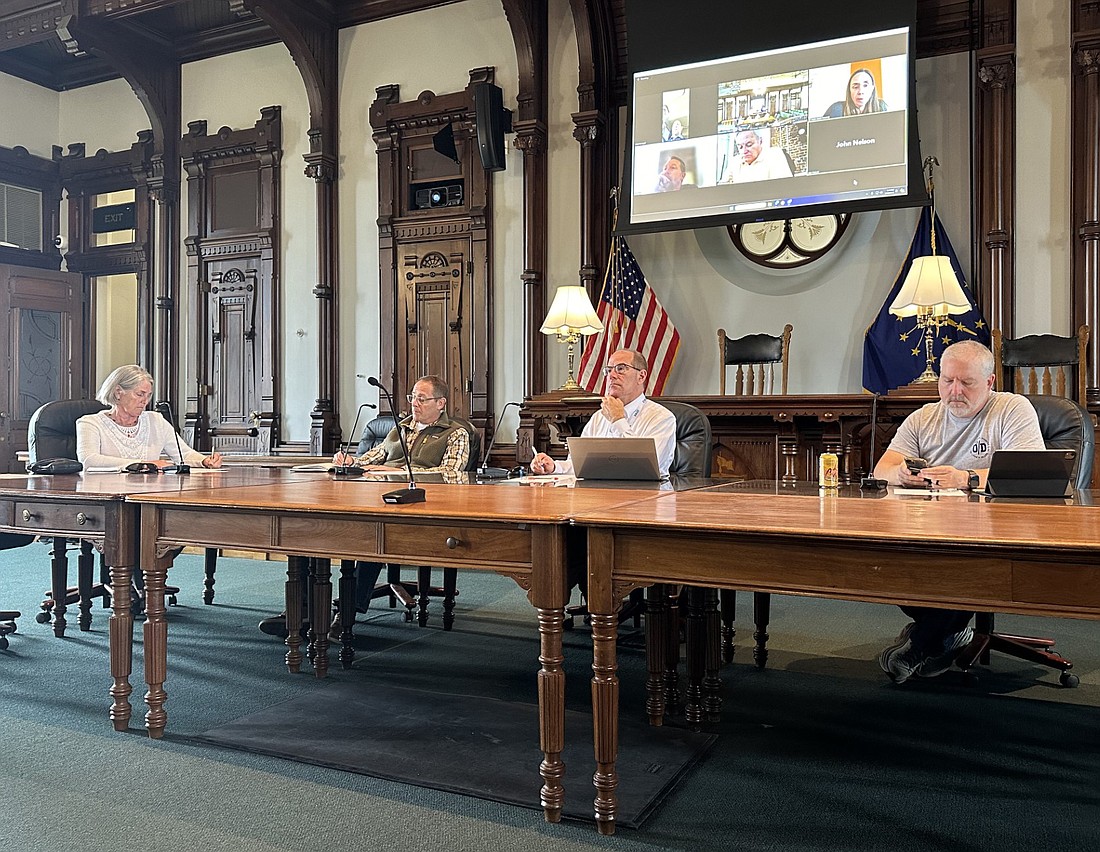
x=972, y=480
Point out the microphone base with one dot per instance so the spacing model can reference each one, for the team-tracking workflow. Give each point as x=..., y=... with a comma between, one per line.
x=412, y=494
x=346, y=472
x=492, y=473
x=178, y=469
x=869, y=483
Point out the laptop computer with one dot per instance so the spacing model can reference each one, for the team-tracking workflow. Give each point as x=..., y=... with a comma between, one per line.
x=614, y=458
x=1031, y=473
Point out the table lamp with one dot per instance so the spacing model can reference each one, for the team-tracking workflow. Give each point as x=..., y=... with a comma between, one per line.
x=570, y=316
x=931, y=291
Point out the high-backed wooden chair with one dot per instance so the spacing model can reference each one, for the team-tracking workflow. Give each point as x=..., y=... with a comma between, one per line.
x=756, y=357
x=1042, y=364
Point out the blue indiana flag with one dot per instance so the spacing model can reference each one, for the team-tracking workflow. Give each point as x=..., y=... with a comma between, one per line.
x=893, y=347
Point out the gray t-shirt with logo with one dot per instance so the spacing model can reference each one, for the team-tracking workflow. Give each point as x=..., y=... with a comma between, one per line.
x=1006, y=422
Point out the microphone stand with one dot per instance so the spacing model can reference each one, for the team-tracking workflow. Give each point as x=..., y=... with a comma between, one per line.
x=162, y=407
x=869, y=483
x=350, y=471
x=412, y=494
x=484, y=472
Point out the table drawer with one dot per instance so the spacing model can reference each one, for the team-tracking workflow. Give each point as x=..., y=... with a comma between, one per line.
x=454, y=542
x=72, y=517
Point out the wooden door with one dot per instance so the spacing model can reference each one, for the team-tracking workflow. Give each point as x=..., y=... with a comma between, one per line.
x=43, y=339
x=434, y=295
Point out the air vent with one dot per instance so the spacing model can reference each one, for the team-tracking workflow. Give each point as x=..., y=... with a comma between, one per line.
x=20, y=217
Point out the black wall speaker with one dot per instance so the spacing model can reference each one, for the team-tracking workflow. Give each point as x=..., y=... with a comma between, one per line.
x=493, y=121
x=444, y=142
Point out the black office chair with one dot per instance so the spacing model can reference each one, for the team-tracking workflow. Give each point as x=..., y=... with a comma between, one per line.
x=51, y=434
x=8, y=616
x=418, y=592
x=1065, y=426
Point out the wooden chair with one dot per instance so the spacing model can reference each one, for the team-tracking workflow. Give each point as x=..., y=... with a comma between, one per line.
x=1065, y=426
x=755, y=356
x=1042, y=364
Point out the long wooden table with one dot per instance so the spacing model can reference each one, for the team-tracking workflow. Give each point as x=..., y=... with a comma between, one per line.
x=515, y=531
x=949, y=552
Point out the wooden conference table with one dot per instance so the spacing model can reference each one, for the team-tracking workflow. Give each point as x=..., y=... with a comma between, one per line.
x=949, y=552
x=515, y=531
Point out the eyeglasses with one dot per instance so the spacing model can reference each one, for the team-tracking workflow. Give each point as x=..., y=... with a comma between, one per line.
x=618, y=368
x=420, y=400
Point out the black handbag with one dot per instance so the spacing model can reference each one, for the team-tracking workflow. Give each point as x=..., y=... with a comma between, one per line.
x=55, y=466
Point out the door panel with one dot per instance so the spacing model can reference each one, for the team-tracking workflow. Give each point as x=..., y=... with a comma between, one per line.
x=42, y=338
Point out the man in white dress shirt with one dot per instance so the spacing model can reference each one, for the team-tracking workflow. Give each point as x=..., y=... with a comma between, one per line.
x=625, y=412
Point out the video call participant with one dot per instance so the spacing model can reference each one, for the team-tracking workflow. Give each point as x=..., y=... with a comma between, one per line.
x=436, y=444
x=127, y=433
x=957, y=436
x=860, y=97
x=756, y=162
x=625, y=412
x=672, y=175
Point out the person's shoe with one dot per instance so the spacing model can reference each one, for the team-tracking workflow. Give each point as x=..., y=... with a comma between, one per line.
x=899, y=643
x=336, y=631
x=275, y=625
x=905, y=662
x=953, y=645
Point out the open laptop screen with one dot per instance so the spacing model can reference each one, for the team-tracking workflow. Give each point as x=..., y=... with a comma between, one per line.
x=1031, y=473
x=614, y=458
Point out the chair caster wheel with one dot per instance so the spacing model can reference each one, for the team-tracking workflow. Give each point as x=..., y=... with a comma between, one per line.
x=1068, y=680
x=42, y=618
x=171, y=600
x=3, y=643
x=970, y=678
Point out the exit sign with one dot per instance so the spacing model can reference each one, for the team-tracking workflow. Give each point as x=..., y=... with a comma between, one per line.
x=115, y=217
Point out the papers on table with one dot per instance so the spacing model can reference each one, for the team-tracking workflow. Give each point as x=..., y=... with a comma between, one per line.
x=317, y=467
x=556, y=480
x=899, y=491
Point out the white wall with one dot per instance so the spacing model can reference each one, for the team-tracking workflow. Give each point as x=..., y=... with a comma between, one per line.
x=31, y=116
x=84, y=119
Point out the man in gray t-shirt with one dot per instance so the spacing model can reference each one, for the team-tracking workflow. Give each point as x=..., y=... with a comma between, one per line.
x=956, y=437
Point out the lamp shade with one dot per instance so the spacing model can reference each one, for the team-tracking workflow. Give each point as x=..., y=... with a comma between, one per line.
x=571, y=313
x=931, y=286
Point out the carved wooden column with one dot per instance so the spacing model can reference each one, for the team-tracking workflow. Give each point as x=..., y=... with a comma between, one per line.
x=994, y=157
x=1085, y=181
x=529, y=32
x=596, y=129
x=309, y=32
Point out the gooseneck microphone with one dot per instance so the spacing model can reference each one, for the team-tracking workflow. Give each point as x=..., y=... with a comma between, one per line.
x=412, y=494
x=165, y=411
x=350, y=471
x=869, y=483
x=484, y=472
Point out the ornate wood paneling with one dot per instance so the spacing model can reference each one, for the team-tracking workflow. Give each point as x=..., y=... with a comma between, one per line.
x=21, y=168
x=233, y=251
x=1085, y=180
x=441, y=322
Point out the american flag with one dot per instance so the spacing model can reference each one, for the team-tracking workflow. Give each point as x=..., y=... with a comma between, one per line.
x=632, y=319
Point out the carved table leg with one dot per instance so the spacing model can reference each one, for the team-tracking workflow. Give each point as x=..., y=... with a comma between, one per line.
x=552, y=711
x=210, y=564
x=59, y=584
x=605, y=708
x=294, y=608
x=85, y=563
x=347, y=611
x=696, y=642
x=319, y=615
x=728, y=599
x=423, y=588
x=156, y=644
x=672, y=652
x=712, y=684
x=121, y=637
x=450, y=589
x=656, y=649
x=762, y=607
